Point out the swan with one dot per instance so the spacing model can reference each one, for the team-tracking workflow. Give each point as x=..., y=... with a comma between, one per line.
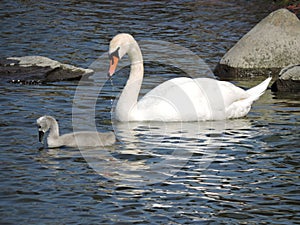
x=76, y=139
x=177, y=99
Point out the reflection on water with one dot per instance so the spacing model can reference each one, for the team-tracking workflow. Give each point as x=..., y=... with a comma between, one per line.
x=226, y=172
x=151, y=152
x=165, y=148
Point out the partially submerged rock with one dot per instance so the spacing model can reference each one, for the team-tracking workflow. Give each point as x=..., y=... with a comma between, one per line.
x=289, y=80
x=38, y=69
x=271, y=45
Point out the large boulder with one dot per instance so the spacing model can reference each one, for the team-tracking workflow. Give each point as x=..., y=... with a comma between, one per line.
x=38, y=69
x=270, y=46
x=289, y=80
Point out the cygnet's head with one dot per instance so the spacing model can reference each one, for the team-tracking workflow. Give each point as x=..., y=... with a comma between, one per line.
x=44, y=124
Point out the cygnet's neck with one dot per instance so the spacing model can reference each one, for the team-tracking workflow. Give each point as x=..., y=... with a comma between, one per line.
x=54, y=128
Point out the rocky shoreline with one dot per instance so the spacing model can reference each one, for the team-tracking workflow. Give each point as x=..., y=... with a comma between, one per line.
x=288, y=81
x=269, y=49
x=39, y=69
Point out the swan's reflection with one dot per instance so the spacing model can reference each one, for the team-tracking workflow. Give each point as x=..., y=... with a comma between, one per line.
x=150, y=152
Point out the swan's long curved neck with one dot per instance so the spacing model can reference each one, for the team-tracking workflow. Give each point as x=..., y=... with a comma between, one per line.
x=54, y=128
x=130, y=93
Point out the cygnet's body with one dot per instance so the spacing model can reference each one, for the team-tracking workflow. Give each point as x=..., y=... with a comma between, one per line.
x=76, y=139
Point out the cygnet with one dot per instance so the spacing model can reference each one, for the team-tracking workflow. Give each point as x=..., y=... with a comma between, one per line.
x=76, y=139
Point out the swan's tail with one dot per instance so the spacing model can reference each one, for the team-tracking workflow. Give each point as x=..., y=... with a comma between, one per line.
x=258, y=90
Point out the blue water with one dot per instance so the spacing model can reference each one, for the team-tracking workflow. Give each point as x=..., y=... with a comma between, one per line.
x=243, y=171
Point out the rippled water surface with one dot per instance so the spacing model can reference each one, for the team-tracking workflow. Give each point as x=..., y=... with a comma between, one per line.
x=243, y=171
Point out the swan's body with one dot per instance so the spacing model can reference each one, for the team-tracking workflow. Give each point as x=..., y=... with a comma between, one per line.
x=76, y=139
x=178, y=99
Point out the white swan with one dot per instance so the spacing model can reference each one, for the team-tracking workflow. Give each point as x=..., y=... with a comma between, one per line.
x=77, y=139
x=178, y=99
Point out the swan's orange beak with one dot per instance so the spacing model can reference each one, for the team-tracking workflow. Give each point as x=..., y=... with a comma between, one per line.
x=113, y=65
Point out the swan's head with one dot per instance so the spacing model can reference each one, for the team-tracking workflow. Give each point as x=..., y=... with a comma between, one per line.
x=118, y=47
x=44, y=124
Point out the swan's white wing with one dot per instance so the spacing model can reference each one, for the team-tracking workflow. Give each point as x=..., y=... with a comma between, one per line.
x=178, y=99
x=231, y=93
x=186, y=99
x=238, y=101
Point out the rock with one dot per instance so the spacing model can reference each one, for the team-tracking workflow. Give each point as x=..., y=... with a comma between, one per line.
x=271, y=45
x=38, y=69
x=289, y=80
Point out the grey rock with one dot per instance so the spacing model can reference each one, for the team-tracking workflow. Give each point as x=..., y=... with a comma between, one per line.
x=289, y=80
x=271, y=45
x=38, y=69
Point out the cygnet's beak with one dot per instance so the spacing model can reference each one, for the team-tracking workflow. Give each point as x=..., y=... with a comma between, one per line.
x=112, y=65
x=41, y=136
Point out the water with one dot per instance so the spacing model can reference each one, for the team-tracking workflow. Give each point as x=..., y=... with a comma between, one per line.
x=237, y=171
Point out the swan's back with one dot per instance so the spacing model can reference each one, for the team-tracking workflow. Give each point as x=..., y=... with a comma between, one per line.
x=178, y=99
x=231, y=93
x=187, y=99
